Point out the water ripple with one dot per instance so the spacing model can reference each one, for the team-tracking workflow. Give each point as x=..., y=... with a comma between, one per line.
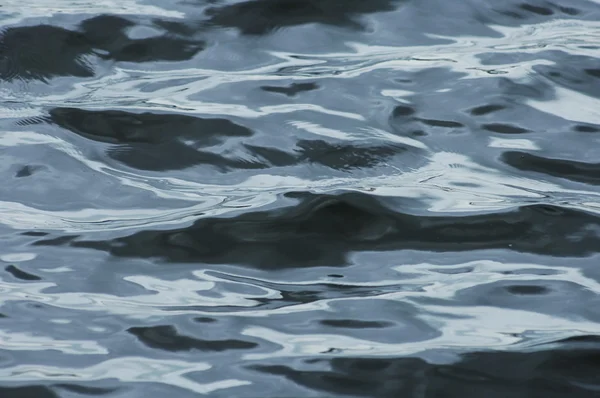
x=299, y=198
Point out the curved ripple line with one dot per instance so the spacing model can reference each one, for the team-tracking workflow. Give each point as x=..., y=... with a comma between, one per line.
x=184, y=296
x=464, y=329
x=29, y=342
x=494, y=190
x=125, y=369
x=19, y=10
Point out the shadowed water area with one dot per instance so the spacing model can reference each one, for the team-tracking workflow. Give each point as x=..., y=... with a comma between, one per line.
x=300, y=198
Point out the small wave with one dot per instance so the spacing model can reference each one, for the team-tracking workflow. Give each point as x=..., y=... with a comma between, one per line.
x=299, y=198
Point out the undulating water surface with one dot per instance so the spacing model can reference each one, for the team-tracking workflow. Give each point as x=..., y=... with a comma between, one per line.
x=299, y=198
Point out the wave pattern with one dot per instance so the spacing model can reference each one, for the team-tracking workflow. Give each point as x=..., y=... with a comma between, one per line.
x=294, y=198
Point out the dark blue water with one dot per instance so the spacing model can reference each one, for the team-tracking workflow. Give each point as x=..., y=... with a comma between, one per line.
x=300, y=198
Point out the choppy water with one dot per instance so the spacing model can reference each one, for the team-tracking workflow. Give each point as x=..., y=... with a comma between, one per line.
x=300, y=198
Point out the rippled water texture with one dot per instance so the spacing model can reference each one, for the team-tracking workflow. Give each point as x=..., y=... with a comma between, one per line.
x=300, y=198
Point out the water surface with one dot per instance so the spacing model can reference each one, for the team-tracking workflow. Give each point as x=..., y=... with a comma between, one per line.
x=299, y=198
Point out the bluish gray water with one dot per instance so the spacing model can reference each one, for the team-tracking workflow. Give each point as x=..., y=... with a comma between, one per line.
x=300, y=198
